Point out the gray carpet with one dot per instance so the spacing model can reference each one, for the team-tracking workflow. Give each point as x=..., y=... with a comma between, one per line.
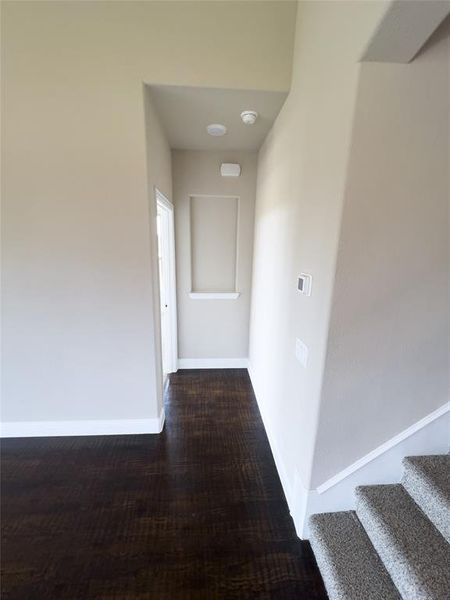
x=347, y=560
x=427, y=481
x=415, y=554
x=394, y=545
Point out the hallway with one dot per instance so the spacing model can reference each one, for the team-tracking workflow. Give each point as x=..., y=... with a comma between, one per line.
x=197, y=512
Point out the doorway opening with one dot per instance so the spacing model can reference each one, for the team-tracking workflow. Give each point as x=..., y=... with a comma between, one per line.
x=167, y=283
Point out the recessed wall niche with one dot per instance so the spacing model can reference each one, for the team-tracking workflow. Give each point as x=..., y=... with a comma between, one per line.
x=214, y=225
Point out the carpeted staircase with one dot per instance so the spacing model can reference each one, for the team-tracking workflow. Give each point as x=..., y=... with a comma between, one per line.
x=397, y=543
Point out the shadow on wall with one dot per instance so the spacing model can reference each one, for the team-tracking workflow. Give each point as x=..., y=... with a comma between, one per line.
x=442, y=32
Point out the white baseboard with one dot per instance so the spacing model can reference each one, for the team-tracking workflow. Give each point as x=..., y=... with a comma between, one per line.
x=212, y=363
x=429, y=435
x=214, y=295
x=68, y=428
x=288, y=489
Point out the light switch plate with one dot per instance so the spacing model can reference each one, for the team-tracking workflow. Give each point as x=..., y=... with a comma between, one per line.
x=301, y=352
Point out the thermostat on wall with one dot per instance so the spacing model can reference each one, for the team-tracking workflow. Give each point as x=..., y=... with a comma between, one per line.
x=304, y=284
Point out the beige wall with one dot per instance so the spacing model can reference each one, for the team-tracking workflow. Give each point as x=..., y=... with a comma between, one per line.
x=79, y=307
x=159, y=175
x=301, y=177
x=387, y=361
x=352, y=188
x=213, y=328
x=214, y=222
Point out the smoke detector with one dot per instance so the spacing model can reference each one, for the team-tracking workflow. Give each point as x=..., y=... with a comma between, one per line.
x=216, y=129
x=249, y=117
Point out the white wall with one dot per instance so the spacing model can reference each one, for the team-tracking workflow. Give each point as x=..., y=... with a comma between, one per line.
x=213, y=329
x=300, y=186
x=159, y=176
x=79, y=333
x=352, y=188
x=78, y=301
x=387, y=363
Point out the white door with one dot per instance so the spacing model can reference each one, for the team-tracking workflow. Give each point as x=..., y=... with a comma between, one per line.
x=166, y=260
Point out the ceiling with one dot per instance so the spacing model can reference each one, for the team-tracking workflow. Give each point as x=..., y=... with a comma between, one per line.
x=186, y=111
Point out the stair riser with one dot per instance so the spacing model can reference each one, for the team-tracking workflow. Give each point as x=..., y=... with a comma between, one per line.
x=350, y=567
x=397, y=569
x=413, y=552
x=428, y=497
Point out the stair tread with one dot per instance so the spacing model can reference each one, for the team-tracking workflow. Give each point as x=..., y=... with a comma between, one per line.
x=427, y=480
x=413, y=551
x=349, y=564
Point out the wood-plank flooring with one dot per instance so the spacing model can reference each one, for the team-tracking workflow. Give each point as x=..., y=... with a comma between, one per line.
x=196, y=512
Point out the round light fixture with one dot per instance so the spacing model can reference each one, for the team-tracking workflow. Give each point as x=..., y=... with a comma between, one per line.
x=249, y=116
x=216, y=129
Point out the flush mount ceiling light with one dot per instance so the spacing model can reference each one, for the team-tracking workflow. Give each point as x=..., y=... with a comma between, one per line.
x=216, y=129
x=249, y=116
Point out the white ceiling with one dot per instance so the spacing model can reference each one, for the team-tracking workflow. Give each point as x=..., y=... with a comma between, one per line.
x=186, y=111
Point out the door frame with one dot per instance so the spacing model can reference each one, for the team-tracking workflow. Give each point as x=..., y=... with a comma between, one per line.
x=171, y=282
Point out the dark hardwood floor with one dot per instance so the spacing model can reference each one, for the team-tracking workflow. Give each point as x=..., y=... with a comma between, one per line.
x=194, y=513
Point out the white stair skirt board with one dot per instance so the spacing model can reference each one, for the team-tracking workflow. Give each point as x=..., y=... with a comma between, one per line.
x=70, y=428
x=212, y=363
x=382, y=465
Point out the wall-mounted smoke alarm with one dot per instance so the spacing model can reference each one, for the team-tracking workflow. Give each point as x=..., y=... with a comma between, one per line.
x=216, y=129
x=249, y=116
x=230, y=170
